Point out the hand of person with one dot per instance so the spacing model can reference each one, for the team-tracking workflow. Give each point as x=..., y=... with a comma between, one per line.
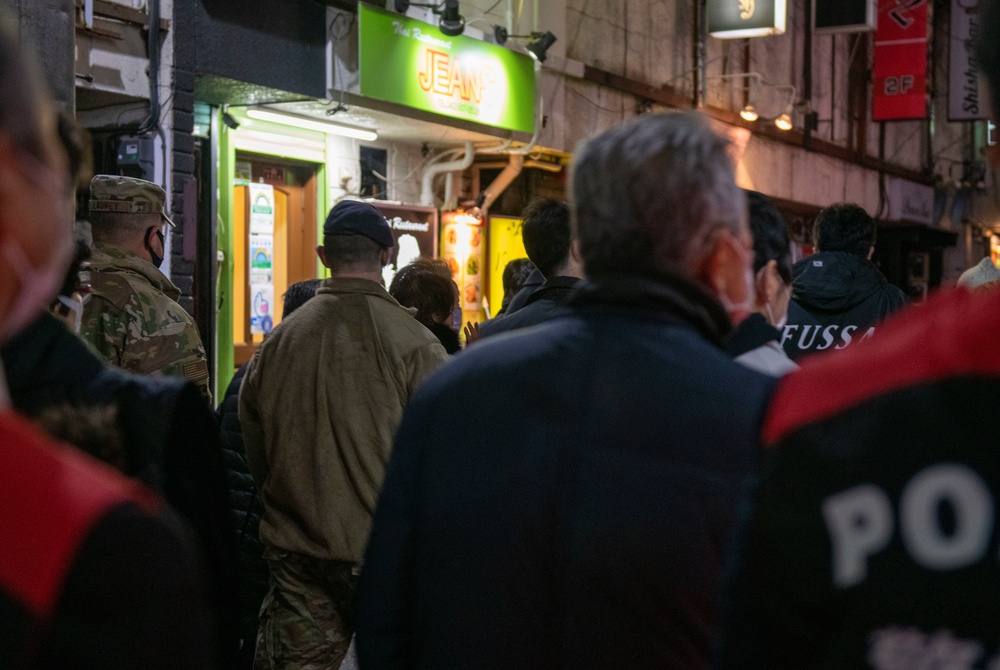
x=471, y=332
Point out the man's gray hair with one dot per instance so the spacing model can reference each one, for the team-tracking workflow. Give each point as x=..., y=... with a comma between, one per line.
x=649, y=196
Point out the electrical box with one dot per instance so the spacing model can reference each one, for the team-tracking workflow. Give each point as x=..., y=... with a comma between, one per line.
x=136, y=157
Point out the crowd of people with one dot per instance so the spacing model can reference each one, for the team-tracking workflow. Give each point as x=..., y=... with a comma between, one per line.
x=695, y=452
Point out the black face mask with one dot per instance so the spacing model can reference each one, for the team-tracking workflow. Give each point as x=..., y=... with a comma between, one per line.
x=156, y=260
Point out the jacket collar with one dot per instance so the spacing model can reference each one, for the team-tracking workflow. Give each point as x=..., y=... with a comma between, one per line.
x=108, y=257
x=335, y=285
x=29, y=356
x=669, y=297
x=752, y=333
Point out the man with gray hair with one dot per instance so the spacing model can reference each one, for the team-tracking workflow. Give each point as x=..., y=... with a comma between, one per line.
x=132, y=318
x=585, y=524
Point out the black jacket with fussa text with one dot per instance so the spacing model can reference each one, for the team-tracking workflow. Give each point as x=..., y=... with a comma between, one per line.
x=838, y=298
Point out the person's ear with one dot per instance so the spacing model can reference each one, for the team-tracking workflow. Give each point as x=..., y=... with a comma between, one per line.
x=151, y=236
x=321, y=254
x=724, y=270
x=386, y=256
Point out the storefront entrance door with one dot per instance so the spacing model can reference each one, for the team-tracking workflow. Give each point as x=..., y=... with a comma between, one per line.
x=272, y=249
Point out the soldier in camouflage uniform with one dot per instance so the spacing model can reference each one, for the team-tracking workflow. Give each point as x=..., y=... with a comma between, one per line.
x=132, y=318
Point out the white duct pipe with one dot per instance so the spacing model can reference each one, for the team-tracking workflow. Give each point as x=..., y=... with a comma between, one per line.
x=503, y=180
x=449, y=191
x=427, y=184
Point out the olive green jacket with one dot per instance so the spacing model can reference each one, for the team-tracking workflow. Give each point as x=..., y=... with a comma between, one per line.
x=319, y=409
x=133, y=320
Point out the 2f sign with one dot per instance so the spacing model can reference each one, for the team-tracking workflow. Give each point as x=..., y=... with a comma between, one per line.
x=899, y=85
x=861, y=523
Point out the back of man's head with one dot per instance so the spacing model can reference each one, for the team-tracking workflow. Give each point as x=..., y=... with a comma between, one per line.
x=650, y=196
x=770, y=235
x=845, y=227
x=356, y=237
x=546, y=234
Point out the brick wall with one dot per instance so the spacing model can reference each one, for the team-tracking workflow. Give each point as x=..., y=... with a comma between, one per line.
x=182, y=159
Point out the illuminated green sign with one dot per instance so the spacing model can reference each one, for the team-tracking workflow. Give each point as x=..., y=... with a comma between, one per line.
x=412, y=63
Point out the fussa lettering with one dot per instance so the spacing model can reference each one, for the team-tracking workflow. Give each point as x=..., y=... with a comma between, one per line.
x=788, y=334
x=861, y=522
x=829, y=337
x=845, y=337
x=803, y=342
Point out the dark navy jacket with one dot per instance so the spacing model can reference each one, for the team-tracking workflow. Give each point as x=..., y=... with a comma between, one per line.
x=545, y=302
x=872, y=540
x=837, y=298
x=562, y=497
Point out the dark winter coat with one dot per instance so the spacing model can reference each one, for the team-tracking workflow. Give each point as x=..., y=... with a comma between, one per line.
x=544, y=302
x=168, y=440
x=582, y=522
x=837, y=298
x=247, y=509
x=872, y=538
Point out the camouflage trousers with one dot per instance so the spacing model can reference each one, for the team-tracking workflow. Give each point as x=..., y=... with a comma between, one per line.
x=307, y=617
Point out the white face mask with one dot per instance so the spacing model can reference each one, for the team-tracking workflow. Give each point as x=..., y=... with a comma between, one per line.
x=75, y=308
x=780, y=323
x=38, y=285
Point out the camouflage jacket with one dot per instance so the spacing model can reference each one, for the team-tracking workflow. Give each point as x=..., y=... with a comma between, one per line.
x=133, y=320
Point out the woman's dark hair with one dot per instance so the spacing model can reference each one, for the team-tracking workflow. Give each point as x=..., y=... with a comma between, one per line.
x=432, y=295
x=297, y=295
x=770, y=235
x=515, y=274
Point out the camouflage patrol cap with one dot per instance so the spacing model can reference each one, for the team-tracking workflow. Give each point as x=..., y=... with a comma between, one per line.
x=128, y=195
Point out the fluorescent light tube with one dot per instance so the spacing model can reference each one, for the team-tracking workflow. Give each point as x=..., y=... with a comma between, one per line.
x=312, y=124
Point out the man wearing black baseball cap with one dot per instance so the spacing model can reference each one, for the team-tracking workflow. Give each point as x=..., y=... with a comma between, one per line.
x=319, y=408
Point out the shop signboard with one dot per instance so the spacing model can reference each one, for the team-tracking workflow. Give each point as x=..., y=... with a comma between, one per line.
x=261, y=258
x=965, y=92
x=900, y=90
x=736, y=19
x=415, y=230
x=844, y=16
x=412, y=63
x=909, y=201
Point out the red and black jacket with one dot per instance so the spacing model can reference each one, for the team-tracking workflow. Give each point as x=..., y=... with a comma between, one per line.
x=90, y=575
x=871, y=539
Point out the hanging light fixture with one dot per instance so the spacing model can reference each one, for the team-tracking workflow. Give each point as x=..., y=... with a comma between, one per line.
x=749, y=113
x=784, y=122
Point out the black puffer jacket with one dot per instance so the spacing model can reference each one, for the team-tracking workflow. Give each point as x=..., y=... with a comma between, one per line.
x=247, y=508
x=168, y=440
x=837, y=298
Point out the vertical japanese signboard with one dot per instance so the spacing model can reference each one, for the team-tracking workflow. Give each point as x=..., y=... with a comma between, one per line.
x=901, y=61
x=261, y=258
x=965, y=99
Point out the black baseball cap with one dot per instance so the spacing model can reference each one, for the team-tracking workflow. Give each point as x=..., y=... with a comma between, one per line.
x=350, y=217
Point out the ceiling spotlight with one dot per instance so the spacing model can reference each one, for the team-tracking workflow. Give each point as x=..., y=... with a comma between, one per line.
x=451, y=22
x=784, y=122
x=749, y=113
x=540, y=46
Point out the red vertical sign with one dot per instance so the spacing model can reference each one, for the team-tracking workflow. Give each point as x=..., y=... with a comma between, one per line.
x=901, y=60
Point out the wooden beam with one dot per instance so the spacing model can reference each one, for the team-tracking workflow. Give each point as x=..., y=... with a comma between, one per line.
x=667, y=95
